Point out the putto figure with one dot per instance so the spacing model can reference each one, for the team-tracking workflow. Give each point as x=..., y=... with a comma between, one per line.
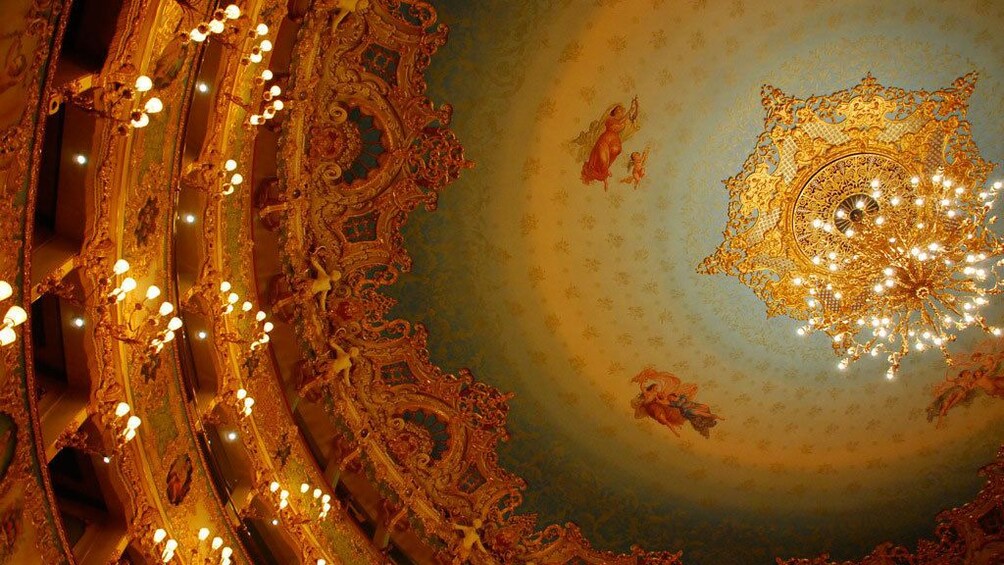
x=636, y=168
x=600, y=145
x=669, y=401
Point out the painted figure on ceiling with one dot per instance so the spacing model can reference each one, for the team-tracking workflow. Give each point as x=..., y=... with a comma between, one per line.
x=669, y=401
x=636, y=168
x=600, y=145
x=980, y=372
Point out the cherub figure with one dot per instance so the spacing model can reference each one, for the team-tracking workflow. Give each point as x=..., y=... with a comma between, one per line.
x=322, y=282
x=636, y=168
x=471, y=539
x=342, y=363
x=982, y=374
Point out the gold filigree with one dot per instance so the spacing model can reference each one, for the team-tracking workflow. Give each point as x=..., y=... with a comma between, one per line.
x=863, y=213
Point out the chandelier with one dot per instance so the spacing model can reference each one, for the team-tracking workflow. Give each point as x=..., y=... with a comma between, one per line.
x=866, y=215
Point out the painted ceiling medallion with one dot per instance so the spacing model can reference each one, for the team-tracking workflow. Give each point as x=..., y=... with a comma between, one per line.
x=864, y=214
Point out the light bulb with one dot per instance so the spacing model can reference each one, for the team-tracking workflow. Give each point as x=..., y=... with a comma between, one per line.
x=166, y=308
x=171, y=545
x=237, y=179
x=158, y=535
x=153, y=105
x=274, y=90
x=278, y=105
x=232, y=12
x=128, y=284
x=230, y=165
x=255, y=57
x=259, y=316
x=266, y=45
x=216, y=543
x=233, y=297
x=5, y=290
x=143, y=83
x=273, y=486
x=140, y=121
x=153, y=291
x=247, y=306
x=216, y=26
x=269, y=326
x=304, y=488
x=7, y=336
x=197, y=36
x=133, y=422
x=241, y=393
x=122, y=409
x=267, y=74
x=174, y=324
x=15, y=316
x=203, y=534
x=202, y=334
x=262, y=29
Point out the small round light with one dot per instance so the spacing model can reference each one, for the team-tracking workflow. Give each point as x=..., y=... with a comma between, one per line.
x=232, y=12
x=201, y=334
x=80, y=159
x=262, y=29
x=189, y=218
x=231, y=436
x=143, y=83
x=230, y=165
x=266, y=45
x=153, y=105
x=202, y=87
x=78, y=322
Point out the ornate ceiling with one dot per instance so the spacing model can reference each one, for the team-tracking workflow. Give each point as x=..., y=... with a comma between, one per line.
x=400, y=317
x=562, y=292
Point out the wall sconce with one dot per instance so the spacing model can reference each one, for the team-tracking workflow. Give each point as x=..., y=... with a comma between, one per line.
x=14, y=317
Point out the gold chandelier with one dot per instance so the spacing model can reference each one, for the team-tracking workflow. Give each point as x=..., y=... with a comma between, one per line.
x=865, y=214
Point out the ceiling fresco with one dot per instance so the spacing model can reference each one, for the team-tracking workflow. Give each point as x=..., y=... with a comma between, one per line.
x=575, y=296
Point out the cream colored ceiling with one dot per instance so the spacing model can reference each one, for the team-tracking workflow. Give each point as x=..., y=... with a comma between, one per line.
x=562, y=293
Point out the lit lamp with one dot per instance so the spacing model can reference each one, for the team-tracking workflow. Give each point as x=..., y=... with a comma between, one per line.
x=858, y=237
x=14, y=317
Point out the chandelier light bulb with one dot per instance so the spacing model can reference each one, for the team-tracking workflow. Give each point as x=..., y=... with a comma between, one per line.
x=174, y=324
x=15, y=316
x=266, y=45
x=230, y=165
x=128, y=284
x=152, y=292
x=165, y=309
x=120, y=267
x=216, y=543
x=261, y=29
x=6, y=290
x=203, y=534
x=158, y=535
x=216, y=26
x=232, y=11
x=7, y=336
x=121, y=409
x=241, y=393
x=140, y=120
x=260, y=315
x=274, y=90
x=143, y=83
x=153, y=105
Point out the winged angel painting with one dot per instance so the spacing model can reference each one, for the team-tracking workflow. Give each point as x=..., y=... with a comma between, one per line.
x=599, y=146
x=981, y=372
x=669, y=401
